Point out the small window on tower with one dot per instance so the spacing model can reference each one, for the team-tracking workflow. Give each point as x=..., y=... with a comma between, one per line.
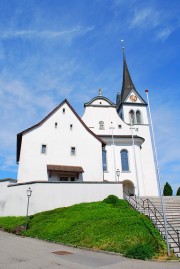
x=119, y=126
x=131, y=117
x=55, y=125
x=64, y=110
x=138, y=117
x=71, y=126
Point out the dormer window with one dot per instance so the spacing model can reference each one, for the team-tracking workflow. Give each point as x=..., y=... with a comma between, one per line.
x=101, y=125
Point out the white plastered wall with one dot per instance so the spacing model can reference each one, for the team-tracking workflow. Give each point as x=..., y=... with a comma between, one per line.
x=33, y=164
x=48, y=196
x=146, y=159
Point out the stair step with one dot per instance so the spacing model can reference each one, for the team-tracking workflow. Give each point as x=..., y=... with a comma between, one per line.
x=172, y=211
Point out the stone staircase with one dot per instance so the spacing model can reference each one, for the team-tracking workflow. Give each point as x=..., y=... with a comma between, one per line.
x=151, y=206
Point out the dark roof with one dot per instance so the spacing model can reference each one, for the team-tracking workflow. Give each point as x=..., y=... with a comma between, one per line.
x=8, y=179
x=98, y=98
x=127, y=84
x=19, y=136
x=124, y=136
x=65, y=168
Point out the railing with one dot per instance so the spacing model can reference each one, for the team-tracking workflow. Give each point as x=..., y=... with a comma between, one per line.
x=140, y=205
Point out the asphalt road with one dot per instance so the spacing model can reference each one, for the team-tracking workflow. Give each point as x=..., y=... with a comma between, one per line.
x=26, y=253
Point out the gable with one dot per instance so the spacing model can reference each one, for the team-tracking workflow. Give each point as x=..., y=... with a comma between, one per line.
x=100, y=101
x=19, y=136
x=134, y=97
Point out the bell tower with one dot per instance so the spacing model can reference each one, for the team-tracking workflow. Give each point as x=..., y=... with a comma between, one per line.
x=132, y=109
x=130, y=104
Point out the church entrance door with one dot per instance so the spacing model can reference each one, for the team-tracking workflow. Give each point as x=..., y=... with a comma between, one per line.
x=128, y=188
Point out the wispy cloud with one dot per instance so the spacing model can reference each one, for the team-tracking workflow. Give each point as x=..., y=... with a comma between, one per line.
x=8, y=163
x=30, y=34
x=145, y=17
x=165, y=33
x=158, y=22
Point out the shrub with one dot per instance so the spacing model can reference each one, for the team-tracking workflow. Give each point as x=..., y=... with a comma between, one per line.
x=112, y=199
x=167, y=190
x=178, y=191
x=140, y=251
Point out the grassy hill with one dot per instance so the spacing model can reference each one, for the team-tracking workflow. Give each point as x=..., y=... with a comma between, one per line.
x=110, y=225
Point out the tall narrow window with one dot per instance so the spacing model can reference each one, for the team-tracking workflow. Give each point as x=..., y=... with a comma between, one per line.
x=124, y=160
x=43, y=149
x=138, y=117
x=63, y=110
x=104, y=159
x=101, y=125
x=73, y=150
x=132, y=116
x=71, y=127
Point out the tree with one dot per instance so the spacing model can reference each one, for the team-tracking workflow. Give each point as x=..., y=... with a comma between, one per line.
x=178, y=191
x=167, y=190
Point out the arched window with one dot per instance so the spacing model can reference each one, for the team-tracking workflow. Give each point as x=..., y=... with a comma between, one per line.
x=124, y=160
x=101, y=125
x=132, y=116
x=104, y=159
x=138, y=117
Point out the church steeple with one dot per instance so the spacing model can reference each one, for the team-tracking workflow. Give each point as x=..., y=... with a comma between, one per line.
x=127, y=85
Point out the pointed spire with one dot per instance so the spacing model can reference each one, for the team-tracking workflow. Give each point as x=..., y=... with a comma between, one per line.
x=127, y=85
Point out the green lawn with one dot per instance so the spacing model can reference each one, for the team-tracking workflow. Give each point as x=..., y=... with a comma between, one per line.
x=110, y=225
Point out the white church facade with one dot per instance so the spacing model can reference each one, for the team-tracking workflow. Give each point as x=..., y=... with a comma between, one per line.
x=110, y=143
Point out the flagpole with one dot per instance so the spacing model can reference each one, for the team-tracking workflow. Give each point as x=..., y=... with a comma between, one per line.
x=158, y=172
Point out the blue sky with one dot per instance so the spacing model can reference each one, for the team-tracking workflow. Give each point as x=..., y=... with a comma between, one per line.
x=55, y=49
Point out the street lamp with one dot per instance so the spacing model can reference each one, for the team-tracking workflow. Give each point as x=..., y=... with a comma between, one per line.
x=28, y=192
x=113, y=149
x=118, y=173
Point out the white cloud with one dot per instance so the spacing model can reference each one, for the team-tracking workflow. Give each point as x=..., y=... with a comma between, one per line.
x=157, y=21
x=30, y=34
x=8, y=163
x=165, y=33
x=146, y=17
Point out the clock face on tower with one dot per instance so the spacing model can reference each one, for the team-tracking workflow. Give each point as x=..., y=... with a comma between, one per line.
x=133, y=98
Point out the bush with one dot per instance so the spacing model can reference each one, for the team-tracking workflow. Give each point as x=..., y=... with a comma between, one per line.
x=167, y=190
x=140, y=251
x=178, y=192
x=112, y=199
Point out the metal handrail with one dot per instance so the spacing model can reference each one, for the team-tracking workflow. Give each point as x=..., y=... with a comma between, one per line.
x=154, y=213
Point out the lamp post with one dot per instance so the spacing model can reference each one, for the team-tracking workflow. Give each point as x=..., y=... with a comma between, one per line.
x=28, y=192
x=134, y=153
x=113, y=149
x=118, y=173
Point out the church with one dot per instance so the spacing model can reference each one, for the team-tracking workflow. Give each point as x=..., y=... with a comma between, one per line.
x=111, y=142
